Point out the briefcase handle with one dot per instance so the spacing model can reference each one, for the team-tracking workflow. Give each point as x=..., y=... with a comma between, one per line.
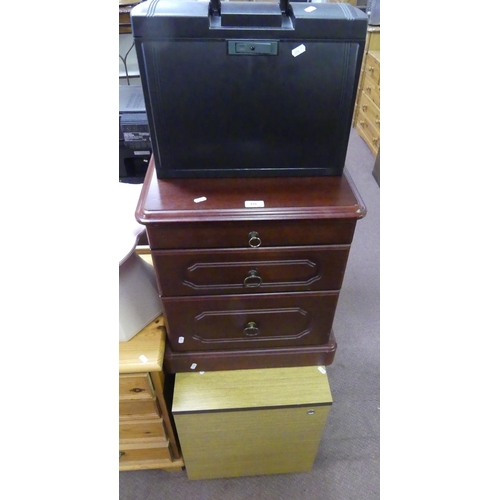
x=215, y=6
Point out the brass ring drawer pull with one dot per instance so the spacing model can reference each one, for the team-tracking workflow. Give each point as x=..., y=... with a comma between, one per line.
x=253, y=239
x=253, y=280
x=251, y=329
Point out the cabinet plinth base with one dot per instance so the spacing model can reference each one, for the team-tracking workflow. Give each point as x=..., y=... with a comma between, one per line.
x=318, y=355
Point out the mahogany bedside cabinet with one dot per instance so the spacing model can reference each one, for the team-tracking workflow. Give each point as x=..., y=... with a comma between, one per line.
x=249, y=270
x=147, y=437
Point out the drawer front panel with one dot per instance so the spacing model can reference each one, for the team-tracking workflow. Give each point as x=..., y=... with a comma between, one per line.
x=371, y=111
x=237, y=234
x=144, y=431
x=243, y=321
x=134, y=409
x=136, y=386
x=370, y=132
x=145, y=458
x=371, y=89
x=259, y=270
x=372, y=68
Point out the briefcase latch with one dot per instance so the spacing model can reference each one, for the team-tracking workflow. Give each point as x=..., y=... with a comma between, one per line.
x=250, y=47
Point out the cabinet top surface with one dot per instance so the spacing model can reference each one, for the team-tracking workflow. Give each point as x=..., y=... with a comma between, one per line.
x=144, y=352
x=250, y=389
x=274, y=198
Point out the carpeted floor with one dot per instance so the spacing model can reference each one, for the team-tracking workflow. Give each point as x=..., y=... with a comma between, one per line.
x=347, y=466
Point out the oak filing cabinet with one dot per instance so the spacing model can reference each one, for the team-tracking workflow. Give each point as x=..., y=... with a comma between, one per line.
x=249, y=270
x=250, y=422
x=147, y=437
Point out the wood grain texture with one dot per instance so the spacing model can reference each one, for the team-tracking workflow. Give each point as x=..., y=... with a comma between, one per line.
x=221, y=322
x=235, y=234
x=143, y=431
x=136, y=386
x=172, y=200
x=366, y=118
x=148, y=458
x=250, y=389
x=142, y=382
x=148, y=345
x=133, y=410
x=159, y=384
x=226, y=271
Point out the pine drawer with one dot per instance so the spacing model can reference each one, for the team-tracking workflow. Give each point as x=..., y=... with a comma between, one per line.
x=134, y=409
x=371, y=88
x=370, y=110
x=142, y=432
x=136, y=386
x=372, y=66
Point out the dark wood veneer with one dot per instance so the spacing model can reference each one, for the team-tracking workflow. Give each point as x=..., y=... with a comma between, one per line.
x=242, y=359
x=284, y=197
x=219, y=322
x=229, y=271
x=292, y=244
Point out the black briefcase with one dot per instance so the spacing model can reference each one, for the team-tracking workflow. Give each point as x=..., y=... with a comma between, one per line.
x=248, y=89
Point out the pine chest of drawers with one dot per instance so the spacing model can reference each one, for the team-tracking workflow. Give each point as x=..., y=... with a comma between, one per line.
x=147, y=438
x=249, y=270
x=367, y=110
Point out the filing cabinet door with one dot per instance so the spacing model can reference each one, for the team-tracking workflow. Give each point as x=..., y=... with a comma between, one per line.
x=246, y=443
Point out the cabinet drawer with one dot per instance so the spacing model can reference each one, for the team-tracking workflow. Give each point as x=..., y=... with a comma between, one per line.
x=145, y=458
x=240, y=234
x=134, y=409
x=253, y=270
x=136, y=386
x=371, y=89
x=371, y=111
x=246, y=321
x=141, y=432
x=369, y=131
x=372, y=67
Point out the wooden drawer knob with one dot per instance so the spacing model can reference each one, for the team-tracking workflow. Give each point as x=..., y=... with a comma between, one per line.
x=364, y=107
x=253, y=239
x=371, y=68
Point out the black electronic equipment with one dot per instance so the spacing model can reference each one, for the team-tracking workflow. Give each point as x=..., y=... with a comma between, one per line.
x=248, y=89
x=135, y=141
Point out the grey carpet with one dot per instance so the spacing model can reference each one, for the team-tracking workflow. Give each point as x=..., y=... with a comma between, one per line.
x=347, y=466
